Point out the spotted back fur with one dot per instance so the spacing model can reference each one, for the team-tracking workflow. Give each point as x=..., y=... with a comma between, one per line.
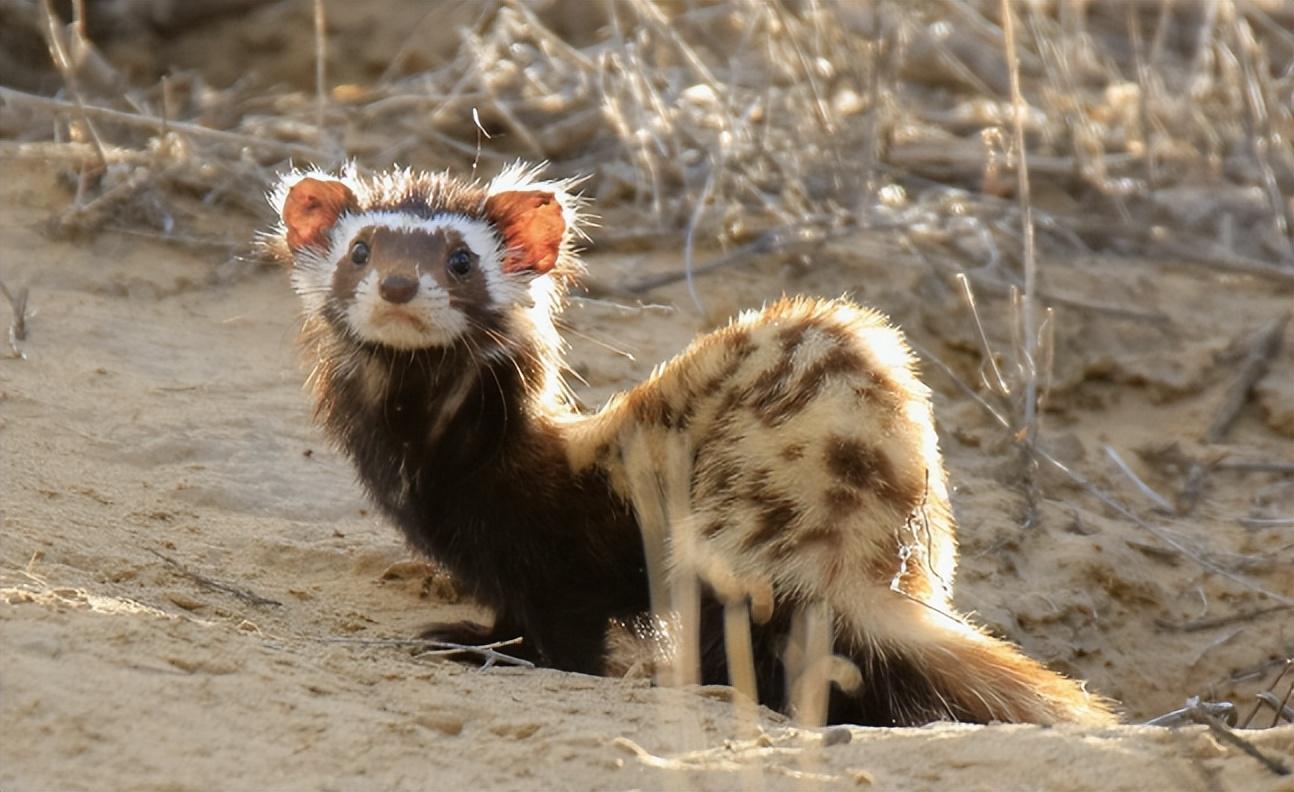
x=817, y=471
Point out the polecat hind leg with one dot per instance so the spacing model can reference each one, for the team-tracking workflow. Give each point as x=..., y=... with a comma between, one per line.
x=920, y=664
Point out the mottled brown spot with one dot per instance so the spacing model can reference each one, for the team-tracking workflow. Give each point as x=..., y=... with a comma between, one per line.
x=841, y=502
x=716, y=475
x=737, y=353
x=838, y=361
x=771, y=386
x=862, y=467
x=792, y=452
x=731, y=400
x=738, y=338
x=757, y=486
x=720, y=434
x=792, y=336
x=649, y=406
x=846, y=338
x=840, y=334
x=882, y=380
x=827, y=535
x=775, y=412
x=774, y=518
x=857, y=464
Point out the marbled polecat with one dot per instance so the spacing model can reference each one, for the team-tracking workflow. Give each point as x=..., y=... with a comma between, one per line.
x=814, y=464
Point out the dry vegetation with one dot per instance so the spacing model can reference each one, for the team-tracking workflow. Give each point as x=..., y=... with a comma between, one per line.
x=790, y=135
x=763, y=122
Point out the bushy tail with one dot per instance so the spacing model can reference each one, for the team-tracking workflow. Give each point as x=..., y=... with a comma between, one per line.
x=992, y=680
x=936, y=666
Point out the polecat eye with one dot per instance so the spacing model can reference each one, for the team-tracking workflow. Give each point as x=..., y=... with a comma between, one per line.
x=359, y=253
x=460, y=262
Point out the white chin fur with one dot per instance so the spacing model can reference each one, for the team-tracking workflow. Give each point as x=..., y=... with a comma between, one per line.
x=426, y=321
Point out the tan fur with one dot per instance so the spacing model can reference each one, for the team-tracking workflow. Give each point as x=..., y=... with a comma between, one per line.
x=818, y=473
x=704, y=393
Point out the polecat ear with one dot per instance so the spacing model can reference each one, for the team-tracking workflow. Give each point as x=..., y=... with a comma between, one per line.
x=532, y=225
x=312, y=208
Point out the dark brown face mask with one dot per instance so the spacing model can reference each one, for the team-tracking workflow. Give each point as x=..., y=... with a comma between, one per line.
x=401, y=258
x=531, y=223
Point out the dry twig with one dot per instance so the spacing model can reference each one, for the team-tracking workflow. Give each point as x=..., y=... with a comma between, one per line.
x=1104, y=497
x=1245, y=466
x=1288, y=664
x=321, y=55
x=158, y=125
x=1161, y=503
x=1201, y=715
x=1267, y=343
x=58, y=53
x=1221, y=621
x=1029, y=349
x=18, y=321
x=241, y=593
x=433, y=648
x=1281, y=707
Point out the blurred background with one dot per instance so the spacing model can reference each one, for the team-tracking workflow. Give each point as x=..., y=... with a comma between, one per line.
x=736, y=118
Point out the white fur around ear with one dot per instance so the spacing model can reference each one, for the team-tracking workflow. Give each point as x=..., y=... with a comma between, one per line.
x=349, y=176
x=520, y=176
x=540, y=219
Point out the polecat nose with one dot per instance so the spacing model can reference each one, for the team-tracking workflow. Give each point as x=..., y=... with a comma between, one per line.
x=397, y=288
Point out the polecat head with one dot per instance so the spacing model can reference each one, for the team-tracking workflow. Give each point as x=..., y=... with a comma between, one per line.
x=414, y=260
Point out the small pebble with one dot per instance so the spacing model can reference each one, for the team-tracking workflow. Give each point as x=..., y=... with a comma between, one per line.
x=185, y=601
x=836, y=736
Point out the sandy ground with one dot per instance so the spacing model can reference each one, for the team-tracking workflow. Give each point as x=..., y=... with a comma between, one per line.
x=158, y=431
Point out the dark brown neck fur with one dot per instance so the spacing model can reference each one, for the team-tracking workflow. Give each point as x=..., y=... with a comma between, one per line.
x=447, y=444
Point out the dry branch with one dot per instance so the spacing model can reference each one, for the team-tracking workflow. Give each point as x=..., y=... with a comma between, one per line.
x=18, y=321
x=1256, y=467
x=159, y=125
x=1280, y=707
x=433, y=648
x=1201, y=715
x=1029, y=349
x=54, y=39
x=784, y=239
x=243, y=594
x=1287, y=664
x=321, y=57
x=1160, y=501
x=1222, y=621
x=1266, y=344
x=1105, y=498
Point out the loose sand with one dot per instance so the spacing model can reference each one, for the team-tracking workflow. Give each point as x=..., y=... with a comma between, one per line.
x=160, y=412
